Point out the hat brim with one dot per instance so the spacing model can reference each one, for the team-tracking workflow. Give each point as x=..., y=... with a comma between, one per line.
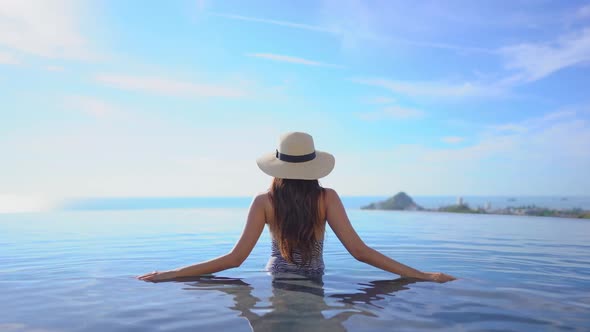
x=314, y=169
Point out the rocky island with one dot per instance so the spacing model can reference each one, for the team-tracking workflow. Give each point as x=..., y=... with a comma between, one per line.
x=401, y=201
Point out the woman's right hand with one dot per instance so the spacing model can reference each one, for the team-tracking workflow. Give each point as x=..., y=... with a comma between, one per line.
x=158, y=276
x=438, y=277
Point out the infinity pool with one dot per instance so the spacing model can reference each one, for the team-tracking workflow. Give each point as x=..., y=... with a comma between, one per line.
x=74, y=271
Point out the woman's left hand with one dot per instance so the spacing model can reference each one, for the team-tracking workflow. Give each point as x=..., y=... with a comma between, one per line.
x=158, y=276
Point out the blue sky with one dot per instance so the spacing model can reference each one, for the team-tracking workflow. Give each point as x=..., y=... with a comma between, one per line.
x=122, y=98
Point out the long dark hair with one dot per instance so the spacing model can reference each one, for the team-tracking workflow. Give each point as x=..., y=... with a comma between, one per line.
x=297, y=223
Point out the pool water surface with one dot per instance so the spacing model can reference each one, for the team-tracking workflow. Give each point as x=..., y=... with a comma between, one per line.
x=74, y=271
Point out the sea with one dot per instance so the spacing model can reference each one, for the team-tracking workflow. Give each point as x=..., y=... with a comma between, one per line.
x=74, y=268
x=352, y=202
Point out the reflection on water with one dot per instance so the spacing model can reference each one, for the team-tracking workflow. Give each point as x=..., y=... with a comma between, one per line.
x=298, y=303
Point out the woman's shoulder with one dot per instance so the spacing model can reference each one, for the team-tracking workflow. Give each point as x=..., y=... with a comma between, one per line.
x=331, y=197
x=330, y=193
x=262, y=198
x=262, y=202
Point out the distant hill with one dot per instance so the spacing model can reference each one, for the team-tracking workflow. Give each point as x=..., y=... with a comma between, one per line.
x=401, y=201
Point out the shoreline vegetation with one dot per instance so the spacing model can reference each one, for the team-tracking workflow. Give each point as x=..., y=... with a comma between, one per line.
x=403, y=202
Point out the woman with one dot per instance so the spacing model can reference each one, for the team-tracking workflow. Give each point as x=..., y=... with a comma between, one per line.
x=297, y=208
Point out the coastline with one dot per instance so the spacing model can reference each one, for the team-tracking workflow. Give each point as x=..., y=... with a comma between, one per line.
x=556, y=203
x=403, y=202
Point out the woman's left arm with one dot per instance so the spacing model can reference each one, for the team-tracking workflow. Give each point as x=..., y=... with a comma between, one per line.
x=250, y=235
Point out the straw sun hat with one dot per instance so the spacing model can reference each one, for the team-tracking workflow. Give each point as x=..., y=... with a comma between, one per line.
x=296, y=158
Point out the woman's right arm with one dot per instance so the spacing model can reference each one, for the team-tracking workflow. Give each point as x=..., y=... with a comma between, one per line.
x=340, y=224
x=250, y=235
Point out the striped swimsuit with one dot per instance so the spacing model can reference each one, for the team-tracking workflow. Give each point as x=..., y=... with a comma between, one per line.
x=277, y=264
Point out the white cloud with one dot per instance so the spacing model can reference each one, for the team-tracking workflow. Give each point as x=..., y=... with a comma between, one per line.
x=583, y=12
x=433, y=89
x=549, y=136
x=92, y=106
x=510, y=127
x=11, y=203
x=533, y=61
x=276, y=22
x=356, y=21
x=452, y=139
x=291, y=59
x=201, y=5
x=43, y=28
x=551, y=157
x=379, y=100
x=8, y=59
x=533, y=123
x=351, y=29
x=486, y=148
x=54, y=68
x=528, y=62
x=555, y=116
x=392, y=112
x=115, y=157
x=168, y=87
